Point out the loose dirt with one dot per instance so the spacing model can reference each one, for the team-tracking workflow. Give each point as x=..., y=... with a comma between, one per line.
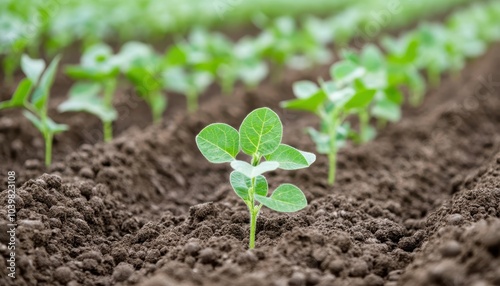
x=420, y=205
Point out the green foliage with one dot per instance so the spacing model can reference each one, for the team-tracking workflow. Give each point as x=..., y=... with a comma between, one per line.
x=32, y=95
x=369, y=84
x=93, y=92
x=187, y=70
x=142, y=68
x=259, y=137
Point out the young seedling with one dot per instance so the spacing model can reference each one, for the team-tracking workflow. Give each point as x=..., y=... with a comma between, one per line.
x=99, y=70
x=183, y=73
x=386, y=105
x=245, y=64
x=259, y=137
x=332, y=103
x=36, y=106
x=143, y=67
x=402, y=71
x=286, y=44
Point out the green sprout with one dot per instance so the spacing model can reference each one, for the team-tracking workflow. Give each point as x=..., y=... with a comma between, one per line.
x=94, y=93
x=143, y=68
x=401, y=58
x=37, y=84
x=184, y=71
x=243, y=63
x=388, y=99
x=260, y=137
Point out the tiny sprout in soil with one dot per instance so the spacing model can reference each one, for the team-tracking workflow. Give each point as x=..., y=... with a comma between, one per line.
x=260, y=137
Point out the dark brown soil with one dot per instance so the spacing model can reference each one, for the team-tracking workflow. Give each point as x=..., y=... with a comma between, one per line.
x=420, y=205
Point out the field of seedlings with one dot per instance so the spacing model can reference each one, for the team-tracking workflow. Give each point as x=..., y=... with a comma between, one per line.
x=232, y=142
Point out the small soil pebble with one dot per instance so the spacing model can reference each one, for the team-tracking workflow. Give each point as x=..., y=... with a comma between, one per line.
x=298, y=279
x=122, y=272
x=192, y=248
x=63, y=274
x=450, y=249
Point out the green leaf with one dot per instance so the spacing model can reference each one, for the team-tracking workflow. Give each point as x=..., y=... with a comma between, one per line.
x=34, y=120
x=254, y=171
x=360, y=100
x=394, y=95
x=90, y=73
x=144, y=81
x=304, y=89
x=252, y=72
x=261, y=132
x=310, y=104
x=32, y=68
x=387, y=109
x=376, y=79
x=20, y=96
x=322, y=140
x=286, y=198
x=84, y=97
x=55, y=128
x=219, y=143
x=290, y=158
x=158, y=104
x=241, y=185
x=372, y=58
x=41, y=93
x=85, y=89
x=346, y=72
x=175, y=57
x=351, y=56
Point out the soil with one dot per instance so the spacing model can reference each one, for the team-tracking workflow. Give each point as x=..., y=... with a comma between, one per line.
x=420, y=205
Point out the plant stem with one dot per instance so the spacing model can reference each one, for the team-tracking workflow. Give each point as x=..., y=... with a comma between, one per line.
x=48, y=148
x=253, y=227
x=227, y=85
x=332, y=161
x=254, y=210
x=434, y=76
x=192, y=101
x=332, y=156
x=109, y=91
x=364, y=119
x=254, y=213
x=107, y=127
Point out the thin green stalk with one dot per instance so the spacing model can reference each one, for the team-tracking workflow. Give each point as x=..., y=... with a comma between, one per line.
x=332, y=161
x=434, y=76
x=364, y=120
x=155, y=114
x=332, y=156
x=253, y=215
x=192, y=101
x=48, y=148
x=227, y=85
x=109, y=91
x=253, y=226
x=254, y=210
x=107, y=127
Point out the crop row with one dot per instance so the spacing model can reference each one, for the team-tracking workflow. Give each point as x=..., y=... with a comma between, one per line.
x=366, y=84
x=369, y=84
x=28, y=25
x=191, y=65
